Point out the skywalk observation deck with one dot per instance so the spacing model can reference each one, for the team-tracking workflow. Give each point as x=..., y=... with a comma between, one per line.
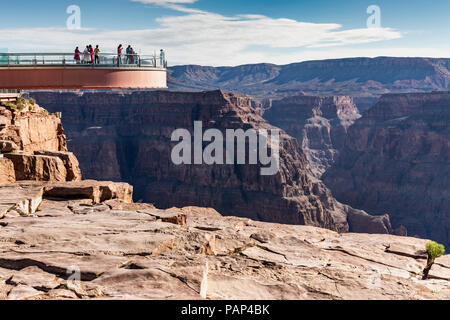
x=32, y=71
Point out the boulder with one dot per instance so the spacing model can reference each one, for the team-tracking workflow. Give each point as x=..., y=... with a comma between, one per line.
x=38, y=168
x=7, y=173
x=7, y=146
x=24, y=199
x=69, y=160
x=169, y=217
x=98, y=191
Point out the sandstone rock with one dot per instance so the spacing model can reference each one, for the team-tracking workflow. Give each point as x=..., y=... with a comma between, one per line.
x=69, y=160
x=98, y=191
x=7, y=146
x=318, y=123
x=25, y=132
x=35, y=278
x=396, y=161
x=119, y=204
x=263, y=237
x=62, y=294
x=24, y=199
x=38, y=168
x=170, y=217
x=127, y=137
x=7, y=173
x=32, y=130
x=23, y=292
x=131, y=255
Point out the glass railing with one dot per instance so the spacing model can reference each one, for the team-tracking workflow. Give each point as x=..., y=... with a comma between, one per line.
x=68, y=60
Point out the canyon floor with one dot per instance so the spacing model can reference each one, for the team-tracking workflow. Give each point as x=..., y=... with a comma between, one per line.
x=126, y=250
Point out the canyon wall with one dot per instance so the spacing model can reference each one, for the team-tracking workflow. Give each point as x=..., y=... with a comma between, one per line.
x=318, y=123
x=397, y=159
x=127, y=137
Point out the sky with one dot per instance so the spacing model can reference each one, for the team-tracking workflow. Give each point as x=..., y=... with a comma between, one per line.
x=231, y=32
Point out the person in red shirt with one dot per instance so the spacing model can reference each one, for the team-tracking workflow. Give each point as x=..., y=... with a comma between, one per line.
x=119, y=54
x=77, y=55
x=91, y=51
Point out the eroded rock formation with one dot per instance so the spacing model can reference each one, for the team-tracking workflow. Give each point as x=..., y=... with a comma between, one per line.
x=397, y=160
x=33, y=145
x=126, y=137
x=318, y=123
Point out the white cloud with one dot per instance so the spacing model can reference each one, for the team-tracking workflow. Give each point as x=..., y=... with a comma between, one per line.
x=201, y=37
x=163, y=2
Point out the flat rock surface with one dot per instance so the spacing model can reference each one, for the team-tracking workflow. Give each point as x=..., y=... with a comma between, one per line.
x=61, y=252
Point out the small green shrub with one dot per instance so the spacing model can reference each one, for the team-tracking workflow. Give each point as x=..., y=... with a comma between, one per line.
x=434, y=251
x=9, y=104
x=21, y=100
x=20, y=104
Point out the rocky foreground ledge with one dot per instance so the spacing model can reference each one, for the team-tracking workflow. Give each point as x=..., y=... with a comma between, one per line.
x=126, y=250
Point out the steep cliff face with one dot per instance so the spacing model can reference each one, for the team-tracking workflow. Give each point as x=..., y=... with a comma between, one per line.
x=397, y=160
x=127, y=137
x=318, y=123
x=31, y=128
x=33, y=145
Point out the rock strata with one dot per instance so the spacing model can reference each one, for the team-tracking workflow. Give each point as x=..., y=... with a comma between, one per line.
x=397, y=160
x=127, y=137
x=133, y=254
x=319, y=124
x=33, y=145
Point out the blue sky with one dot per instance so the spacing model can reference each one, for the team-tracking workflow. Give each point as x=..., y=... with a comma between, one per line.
x=232, y=32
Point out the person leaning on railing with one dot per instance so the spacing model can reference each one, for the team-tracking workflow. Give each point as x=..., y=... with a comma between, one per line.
x=97, y=55
x=119, y=55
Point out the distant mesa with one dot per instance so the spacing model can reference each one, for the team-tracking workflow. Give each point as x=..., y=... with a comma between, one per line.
x=365, y=79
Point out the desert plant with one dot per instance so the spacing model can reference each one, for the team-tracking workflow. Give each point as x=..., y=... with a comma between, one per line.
x=21, y=100
x=434, y=250
x=9, y=104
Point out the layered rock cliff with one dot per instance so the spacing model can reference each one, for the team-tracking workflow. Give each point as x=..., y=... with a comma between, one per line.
x=33, y=145
x=126, y=137
x=397, y=159
x=318, y=123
